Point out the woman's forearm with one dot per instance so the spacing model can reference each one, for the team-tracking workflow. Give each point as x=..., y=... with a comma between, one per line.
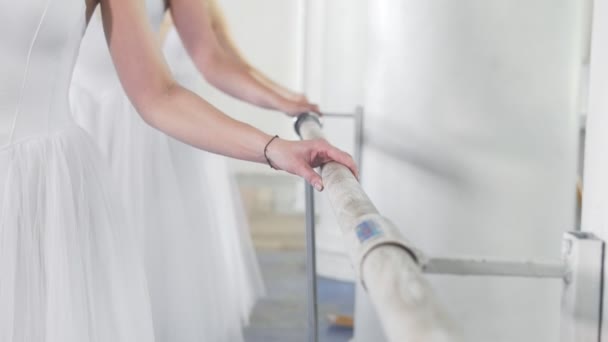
x=194, y=26
x=234, y=79
x=180, y=113
x=277, y=88
x=227, y=43
x=188, y=118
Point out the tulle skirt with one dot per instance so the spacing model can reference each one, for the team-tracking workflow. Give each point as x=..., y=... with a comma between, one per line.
x=201, y=269
x=70, y=270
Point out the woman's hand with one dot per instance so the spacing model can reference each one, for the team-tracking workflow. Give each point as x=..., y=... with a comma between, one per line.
x=296, y=106
x=301, y=157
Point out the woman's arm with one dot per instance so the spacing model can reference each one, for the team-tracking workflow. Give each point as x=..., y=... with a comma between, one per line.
x=222, y=32
x=193, y=23
x=178, y=112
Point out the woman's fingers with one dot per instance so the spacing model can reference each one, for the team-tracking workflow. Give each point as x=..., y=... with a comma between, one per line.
x=312, y=177
x=301, y=158
x=297, y=108
x=334, y=154
x=324, y=153
x=346, y=160
x=313, y=108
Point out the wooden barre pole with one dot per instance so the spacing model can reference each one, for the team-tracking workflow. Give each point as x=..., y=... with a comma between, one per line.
x=386, y=264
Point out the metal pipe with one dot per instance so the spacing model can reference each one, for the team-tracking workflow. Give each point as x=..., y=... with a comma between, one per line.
x=339, y=115
x=386, y=263
x=358, y=155
x=311, y=266
x=495, y=267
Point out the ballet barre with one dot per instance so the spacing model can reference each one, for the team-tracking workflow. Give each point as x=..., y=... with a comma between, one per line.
x=357, y=116
x=391, y=269
x=386, y=264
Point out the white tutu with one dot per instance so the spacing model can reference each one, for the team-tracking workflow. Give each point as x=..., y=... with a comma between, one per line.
x=70, y=271
x=240, y=260
x=199, y=259
x=245, y=276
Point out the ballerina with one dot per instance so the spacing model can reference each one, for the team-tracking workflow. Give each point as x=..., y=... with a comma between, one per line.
x=202, y=285
x=245, y=287
x=70, y=268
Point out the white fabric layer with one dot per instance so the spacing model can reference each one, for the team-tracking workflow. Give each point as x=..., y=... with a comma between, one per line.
x=200, y=265
x=70, y=270
x=227, y=205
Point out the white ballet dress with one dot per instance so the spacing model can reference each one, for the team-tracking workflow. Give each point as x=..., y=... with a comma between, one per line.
x=246, y=281
x=70, y=265
x=201, y=269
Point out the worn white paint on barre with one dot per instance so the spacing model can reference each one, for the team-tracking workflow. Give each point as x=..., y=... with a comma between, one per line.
x=403, y=298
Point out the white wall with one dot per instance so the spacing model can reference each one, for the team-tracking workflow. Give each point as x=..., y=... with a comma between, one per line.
x=595, y=199
x=336, y=53
x=477, y=100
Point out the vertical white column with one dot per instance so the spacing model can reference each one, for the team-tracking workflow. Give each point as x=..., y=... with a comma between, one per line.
x=314, y=52
x=471, y=127
x=595, y=198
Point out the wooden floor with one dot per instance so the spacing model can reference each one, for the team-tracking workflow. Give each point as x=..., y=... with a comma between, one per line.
x=279, y=239
x=281, y=316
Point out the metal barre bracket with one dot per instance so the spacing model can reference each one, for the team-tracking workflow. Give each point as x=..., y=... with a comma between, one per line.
x=495, y=267
x=305, y=117
x=582, y=293
x=581, y=272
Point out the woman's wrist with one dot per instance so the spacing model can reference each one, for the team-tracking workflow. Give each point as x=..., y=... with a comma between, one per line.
x=275, y=152
x=268, y=160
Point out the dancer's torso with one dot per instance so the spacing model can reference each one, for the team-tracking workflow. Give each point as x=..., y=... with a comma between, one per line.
x=39, y=41
x=94, y=68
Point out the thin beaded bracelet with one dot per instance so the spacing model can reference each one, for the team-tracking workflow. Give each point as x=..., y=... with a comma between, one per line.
x=266, y=152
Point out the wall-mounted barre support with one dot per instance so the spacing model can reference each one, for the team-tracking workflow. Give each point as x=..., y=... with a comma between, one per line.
x=495, y=267
x=339, y=115
x=311, y=266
